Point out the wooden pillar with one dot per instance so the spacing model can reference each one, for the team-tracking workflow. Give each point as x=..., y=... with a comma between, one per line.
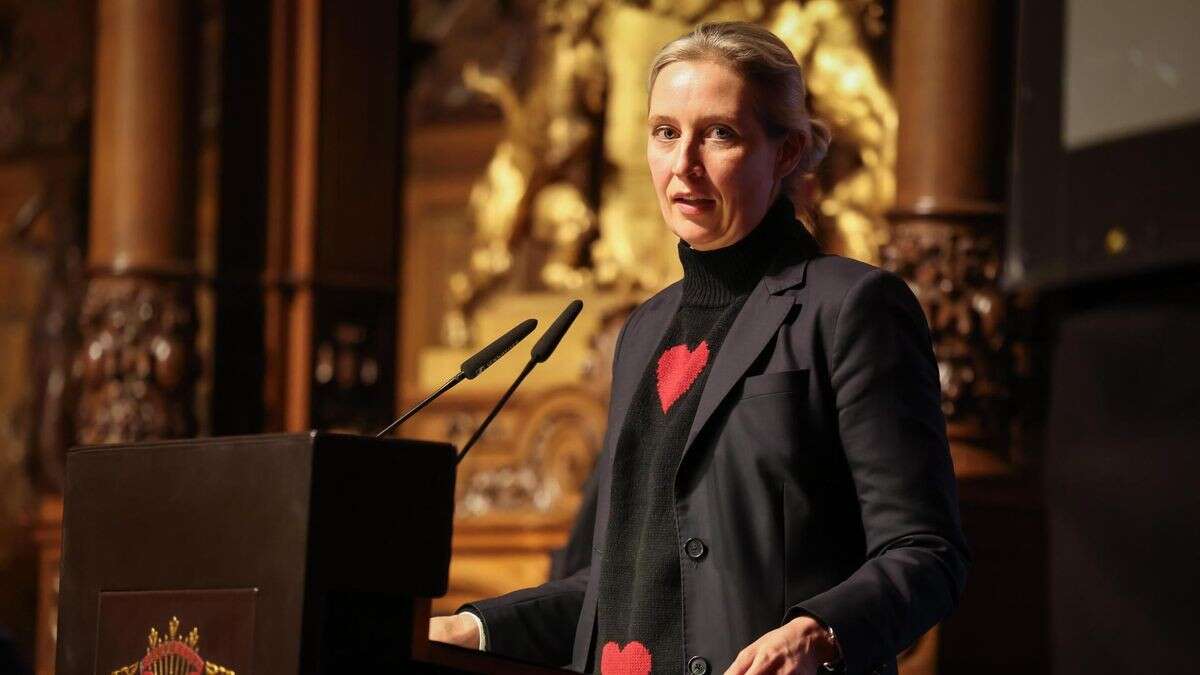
x=332, y=213
x=138, y=316
x=950, y=67
x=297, y=373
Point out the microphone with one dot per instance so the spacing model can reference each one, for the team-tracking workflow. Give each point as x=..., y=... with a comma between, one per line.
x=485, y=357
x=471, y=368
x=549, y=341
x=541, y=351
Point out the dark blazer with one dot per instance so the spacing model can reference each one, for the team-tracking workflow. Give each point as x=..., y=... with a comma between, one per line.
x=816, y=474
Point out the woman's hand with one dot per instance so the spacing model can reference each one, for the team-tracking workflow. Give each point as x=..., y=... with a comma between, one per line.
x=798, y=647
x=457, y=630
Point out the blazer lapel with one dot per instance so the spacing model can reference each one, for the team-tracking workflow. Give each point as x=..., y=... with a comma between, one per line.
x=752, y=330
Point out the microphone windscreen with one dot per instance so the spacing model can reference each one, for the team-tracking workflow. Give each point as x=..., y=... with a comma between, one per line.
x=554, y=334
x=499, y=347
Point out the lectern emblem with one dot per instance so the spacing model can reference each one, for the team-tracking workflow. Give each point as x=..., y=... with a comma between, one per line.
x=173, y=654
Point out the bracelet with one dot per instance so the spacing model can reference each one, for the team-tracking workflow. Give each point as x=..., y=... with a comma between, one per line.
x=836, y=664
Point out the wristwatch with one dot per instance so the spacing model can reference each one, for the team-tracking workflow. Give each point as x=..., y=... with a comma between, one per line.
x=834, y=666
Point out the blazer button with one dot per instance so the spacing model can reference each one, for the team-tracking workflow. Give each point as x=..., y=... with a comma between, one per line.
x=698, y=665
x=695, y=549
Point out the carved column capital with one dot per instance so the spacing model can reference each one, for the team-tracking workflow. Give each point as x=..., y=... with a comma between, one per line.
x=137, y=364
x=954, y=271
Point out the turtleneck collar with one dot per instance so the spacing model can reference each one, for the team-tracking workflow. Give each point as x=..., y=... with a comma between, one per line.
x=718, y=277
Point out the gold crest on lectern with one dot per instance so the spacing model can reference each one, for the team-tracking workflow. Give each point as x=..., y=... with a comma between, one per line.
x=173, y=654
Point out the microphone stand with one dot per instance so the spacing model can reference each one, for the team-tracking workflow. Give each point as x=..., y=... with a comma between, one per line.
x=495, y=410
x=540, y=352
x=424, y=402
x=472, y=367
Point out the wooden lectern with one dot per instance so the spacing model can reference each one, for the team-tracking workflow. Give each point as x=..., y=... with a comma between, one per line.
x=299, y=553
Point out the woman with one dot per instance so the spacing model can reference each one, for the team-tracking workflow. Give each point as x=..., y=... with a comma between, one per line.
x=775, y=492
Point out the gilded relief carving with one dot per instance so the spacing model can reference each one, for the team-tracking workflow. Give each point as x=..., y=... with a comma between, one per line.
x=540, y=182
x=847, y=91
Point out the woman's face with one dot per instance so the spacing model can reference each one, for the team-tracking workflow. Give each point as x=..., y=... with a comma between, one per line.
x=714, y=168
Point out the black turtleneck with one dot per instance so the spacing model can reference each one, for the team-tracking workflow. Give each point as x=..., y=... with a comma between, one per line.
x=640, y=597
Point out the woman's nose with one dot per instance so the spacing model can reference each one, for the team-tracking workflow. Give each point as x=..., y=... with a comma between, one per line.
x=687, y=160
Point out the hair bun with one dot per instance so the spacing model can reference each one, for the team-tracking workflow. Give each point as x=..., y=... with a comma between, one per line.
x=819, y=137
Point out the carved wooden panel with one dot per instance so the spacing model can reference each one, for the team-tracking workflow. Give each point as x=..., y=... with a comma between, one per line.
x=138, y=360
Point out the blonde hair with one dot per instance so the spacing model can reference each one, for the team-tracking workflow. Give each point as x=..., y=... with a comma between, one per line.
x=760, y=57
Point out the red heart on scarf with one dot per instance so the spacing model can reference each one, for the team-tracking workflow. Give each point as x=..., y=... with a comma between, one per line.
x=678, y=368
x=633, y=660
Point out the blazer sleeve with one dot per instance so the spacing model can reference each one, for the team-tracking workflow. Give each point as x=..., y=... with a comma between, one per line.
x=893, y=433
x=534, y=624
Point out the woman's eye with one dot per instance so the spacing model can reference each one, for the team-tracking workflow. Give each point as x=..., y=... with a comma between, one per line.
x=722, y=133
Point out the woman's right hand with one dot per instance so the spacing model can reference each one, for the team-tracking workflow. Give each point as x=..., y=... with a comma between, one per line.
x=460, y=630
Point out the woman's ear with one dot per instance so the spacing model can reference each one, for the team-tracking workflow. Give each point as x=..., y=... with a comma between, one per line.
x=790, y=152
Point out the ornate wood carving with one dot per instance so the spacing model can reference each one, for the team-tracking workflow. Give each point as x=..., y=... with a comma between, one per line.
x=137, y=364
x=48, y=224
x=353, y=363
x=954, y=271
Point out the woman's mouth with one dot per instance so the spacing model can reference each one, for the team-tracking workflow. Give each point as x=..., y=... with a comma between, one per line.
x=691, y=205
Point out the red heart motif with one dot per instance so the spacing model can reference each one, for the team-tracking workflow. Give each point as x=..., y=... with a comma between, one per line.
x=678, y=368
x=633, y=660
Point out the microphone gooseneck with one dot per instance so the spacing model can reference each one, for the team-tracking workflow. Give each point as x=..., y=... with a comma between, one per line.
x=471, y=368
x=495, y=410
x=541, y=351
x=446, y=386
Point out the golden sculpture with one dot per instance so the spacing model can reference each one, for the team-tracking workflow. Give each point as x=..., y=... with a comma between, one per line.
x=588, y=220
x=536, y=181
x=847, y=92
